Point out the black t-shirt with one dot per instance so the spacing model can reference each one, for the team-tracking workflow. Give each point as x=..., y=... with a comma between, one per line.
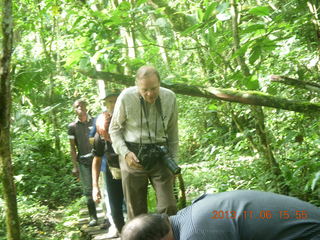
x=100, y=146
x=79, y=131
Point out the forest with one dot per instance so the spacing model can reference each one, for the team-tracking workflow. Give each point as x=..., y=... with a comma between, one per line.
x=246, y=75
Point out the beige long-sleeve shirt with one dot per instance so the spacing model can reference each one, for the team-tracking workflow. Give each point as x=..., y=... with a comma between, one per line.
x=126, y=121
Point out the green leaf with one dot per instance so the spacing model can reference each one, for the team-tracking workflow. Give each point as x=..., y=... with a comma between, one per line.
x=124, y=6
x=268, y=45
x=222, y=7
x=212, y=39
x=191, y=29
x=209, y=11
x=255, y=54
x=73, y=58
x=272, y=90
x=241, y=51
x=77, y=21
x=251, y=83
x=213, y=107
x=253, y=28
x=139, y=2
x=28, y=80
x=200, y=14
x=260, y=11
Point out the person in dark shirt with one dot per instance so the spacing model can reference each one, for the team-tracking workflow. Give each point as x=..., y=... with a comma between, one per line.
x=81, y=156
x=241, y=214
x=102, y=145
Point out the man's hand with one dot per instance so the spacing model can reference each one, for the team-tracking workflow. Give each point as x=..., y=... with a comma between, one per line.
x=133, y=161
x=96, y=195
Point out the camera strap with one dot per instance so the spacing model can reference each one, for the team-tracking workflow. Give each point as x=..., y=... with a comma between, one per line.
x=159, y=107
x=143, y=107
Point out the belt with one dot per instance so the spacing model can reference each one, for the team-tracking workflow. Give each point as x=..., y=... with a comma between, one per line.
x=133, y=144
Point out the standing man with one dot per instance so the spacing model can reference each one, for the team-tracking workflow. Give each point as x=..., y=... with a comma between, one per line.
x=81, y=155
x=145, y=120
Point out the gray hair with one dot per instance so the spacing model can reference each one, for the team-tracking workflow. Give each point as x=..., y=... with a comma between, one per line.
x=146, y=71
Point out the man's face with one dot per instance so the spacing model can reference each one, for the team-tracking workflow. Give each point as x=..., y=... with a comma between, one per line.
x=149, y=88
x=80, y=109
x=109, y=102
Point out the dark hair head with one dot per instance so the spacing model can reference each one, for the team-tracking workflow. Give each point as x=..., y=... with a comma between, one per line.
x=146, y=71
x=146, y=227
x=79, y=101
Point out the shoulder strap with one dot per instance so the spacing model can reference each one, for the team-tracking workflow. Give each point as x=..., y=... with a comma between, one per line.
x=143, y=106
x=159, y=108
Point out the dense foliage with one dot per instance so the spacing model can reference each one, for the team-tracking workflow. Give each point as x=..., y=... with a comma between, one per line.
x=223, y=145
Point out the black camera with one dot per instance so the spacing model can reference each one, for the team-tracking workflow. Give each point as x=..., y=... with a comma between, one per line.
x=168, y=160
x=150, y=154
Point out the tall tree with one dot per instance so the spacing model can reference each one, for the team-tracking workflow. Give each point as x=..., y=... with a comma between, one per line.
x=264, y=146
x=9, y=190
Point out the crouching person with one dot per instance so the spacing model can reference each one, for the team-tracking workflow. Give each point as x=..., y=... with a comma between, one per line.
x=239, y=214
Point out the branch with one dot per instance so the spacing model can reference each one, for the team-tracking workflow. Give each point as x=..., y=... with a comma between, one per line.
x=230, y=95
x=295, y=82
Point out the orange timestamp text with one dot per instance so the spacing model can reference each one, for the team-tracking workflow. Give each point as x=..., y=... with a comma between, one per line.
x=263, y=214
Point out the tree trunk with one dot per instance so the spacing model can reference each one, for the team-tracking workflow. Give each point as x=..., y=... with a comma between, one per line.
x=160, y=41
x=264, y=147
x=9, y=190
x=236, y=39
x=241, y=129
x=267, y=152
x=128, y=39
x=314, y=8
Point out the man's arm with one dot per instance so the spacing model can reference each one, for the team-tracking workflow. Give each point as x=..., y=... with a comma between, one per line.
x=116, y=127
x=73, y=153
x=98, y=149
x=96, y=165
x=173, y=136
x=115, y=130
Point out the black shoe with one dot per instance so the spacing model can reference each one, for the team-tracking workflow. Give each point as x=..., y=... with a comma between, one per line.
x=106, y=224
x=93, y=222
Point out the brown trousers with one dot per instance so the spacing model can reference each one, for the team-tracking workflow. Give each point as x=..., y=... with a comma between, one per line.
x=135, y=189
